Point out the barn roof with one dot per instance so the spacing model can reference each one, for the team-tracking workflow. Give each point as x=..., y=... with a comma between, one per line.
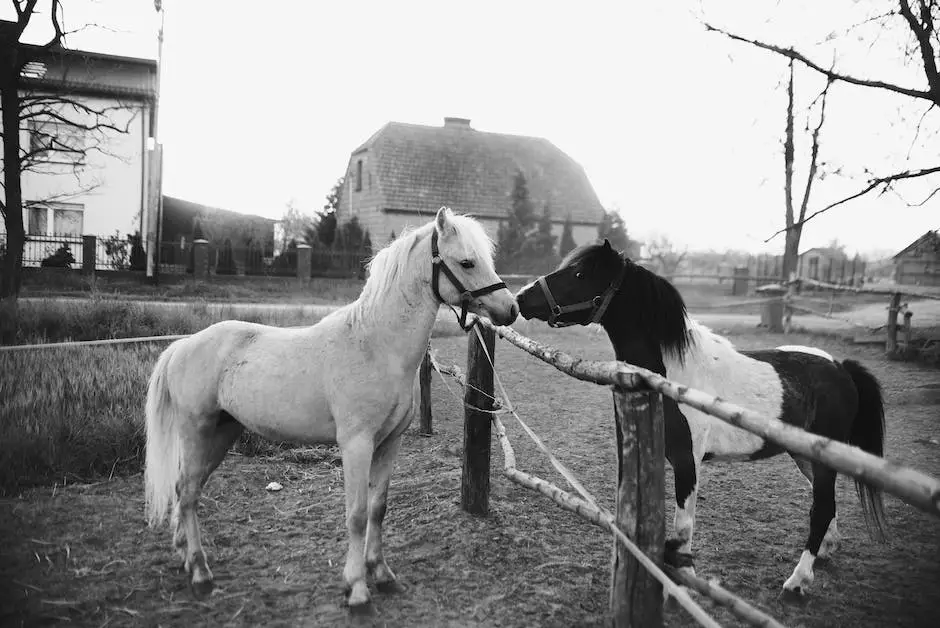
x=423, y=167
x=927, y=237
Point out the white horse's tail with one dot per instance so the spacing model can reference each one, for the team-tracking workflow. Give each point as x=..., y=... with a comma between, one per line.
x=162, y=468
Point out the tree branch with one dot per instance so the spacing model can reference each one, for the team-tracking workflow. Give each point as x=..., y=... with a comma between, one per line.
x=792, y=54
x=872, y=185
x=923, y=31
x=788, y=151
x=814, y=152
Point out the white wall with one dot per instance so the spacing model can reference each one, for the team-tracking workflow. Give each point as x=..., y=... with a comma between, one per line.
x=110, y=184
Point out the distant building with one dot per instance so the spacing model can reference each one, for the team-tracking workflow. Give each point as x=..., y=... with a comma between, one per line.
x=402, y=174
x=822, y=263
x=223, y=228
x=86, y=181
x=918, y=264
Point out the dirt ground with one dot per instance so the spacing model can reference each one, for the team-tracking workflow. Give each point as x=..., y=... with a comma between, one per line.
x=83, y=554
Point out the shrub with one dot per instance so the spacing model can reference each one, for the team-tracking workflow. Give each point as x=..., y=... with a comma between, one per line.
x=62, y=258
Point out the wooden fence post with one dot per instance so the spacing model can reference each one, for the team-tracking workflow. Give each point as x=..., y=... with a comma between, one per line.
x=891, y=346
x=908, y=333
x=424, y=377
x=475, y=480
x=636, y=597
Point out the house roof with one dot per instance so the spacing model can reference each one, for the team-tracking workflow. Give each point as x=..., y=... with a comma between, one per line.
x=927, y=237
x=420, y=168
x=179, y=206
x=61, y=70
x=826, y=251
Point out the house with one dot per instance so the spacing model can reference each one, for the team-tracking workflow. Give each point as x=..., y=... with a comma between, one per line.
x=918, y=263
x=402, y=174
x=86, y=125
x=223, y=228
x=823, y=263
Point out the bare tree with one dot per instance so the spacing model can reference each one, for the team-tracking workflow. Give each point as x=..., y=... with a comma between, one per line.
x=56, y=123
x=794, y=228
x=666, y=254
x=918, y=18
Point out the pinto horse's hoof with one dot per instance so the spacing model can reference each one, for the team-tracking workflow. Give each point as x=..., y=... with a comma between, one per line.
x=794, y=595
x=390, y=587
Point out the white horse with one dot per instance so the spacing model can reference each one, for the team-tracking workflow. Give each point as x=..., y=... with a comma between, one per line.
x=349, y=380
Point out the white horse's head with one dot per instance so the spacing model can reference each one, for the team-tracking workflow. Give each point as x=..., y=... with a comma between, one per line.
x=463, y=274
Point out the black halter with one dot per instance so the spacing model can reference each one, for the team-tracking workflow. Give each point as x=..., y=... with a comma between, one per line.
x=466, y=296
x=598, y=305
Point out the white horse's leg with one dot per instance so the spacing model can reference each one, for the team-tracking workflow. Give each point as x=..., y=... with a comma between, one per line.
x=226, y=433
x=832, y=539
x=205, y=443
x=357, y=460
x=383, y=463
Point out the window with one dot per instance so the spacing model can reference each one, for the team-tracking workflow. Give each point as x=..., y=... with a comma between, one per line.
x=359, y=176
x=56, y=141
x=63, y=218
x=814, y=268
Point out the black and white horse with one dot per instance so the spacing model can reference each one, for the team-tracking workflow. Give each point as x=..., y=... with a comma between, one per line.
x=646, y=320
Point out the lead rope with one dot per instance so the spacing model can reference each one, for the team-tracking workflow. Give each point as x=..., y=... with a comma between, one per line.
x=559, y=466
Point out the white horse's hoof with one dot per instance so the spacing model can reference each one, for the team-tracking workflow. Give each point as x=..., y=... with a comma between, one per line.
x=357, y=596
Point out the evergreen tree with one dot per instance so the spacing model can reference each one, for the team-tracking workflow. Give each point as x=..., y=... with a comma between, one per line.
x=353, y=234
x=519, y=224
x=613, y=228
x=326, y=230
x=567, y=243
x=538, y=250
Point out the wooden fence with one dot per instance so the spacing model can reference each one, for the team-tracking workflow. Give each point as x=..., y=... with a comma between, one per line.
x=636, y=593
x=779, y=313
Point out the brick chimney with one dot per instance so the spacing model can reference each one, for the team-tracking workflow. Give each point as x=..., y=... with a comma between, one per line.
x=457, y=123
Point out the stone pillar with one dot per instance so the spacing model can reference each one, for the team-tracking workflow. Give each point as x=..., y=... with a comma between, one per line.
x=741, y=276
x=200, y=259
x=89, y=253
x=771, y=315
x=304, y=255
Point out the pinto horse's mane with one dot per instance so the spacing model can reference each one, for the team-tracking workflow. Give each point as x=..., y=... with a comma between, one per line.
x=646, y=305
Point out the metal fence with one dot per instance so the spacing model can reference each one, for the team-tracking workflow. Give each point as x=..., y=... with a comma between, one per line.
x=69, y=250
x=229, y=259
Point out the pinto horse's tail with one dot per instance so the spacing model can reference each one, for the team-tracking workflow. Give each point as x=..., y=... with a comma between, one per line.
x=868, y=433
x=162, y=468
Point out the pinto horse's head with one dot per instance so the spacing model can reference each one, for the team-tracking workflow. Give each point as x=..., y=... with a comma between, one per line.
x=579, y=291
x=596, y=284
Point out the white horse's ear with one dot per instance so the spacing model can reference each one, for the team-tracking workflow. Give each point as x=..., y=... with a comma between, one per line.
x=442, y=221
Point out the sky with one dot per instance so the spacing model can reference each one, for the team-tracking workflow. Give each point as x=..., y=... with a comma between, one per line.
x=677, y=128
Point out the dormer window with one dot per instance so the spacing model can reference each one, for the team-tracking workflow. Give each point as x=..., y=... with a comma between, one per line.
x=359, y=176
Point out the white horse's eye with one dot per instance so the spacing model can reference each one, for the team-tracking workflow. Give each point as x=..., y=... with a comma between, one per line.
x=467, y=263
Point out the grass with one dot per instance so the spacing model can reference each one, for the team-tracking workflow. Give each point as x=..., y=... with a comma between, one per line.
x=55, y=282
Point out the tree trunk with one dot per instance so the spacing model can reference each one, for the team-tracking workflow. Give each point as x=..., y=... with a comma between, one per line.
x=13, y=203
x=791, y=252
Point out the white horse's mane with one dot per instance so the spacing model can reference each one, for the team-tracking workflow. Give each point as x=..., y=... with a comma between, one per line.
x=388, y=267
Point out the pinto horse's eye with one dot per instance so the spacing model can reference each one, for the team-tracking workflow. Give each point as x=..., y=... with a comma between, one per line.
x=579, y=275
x=467, y=263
